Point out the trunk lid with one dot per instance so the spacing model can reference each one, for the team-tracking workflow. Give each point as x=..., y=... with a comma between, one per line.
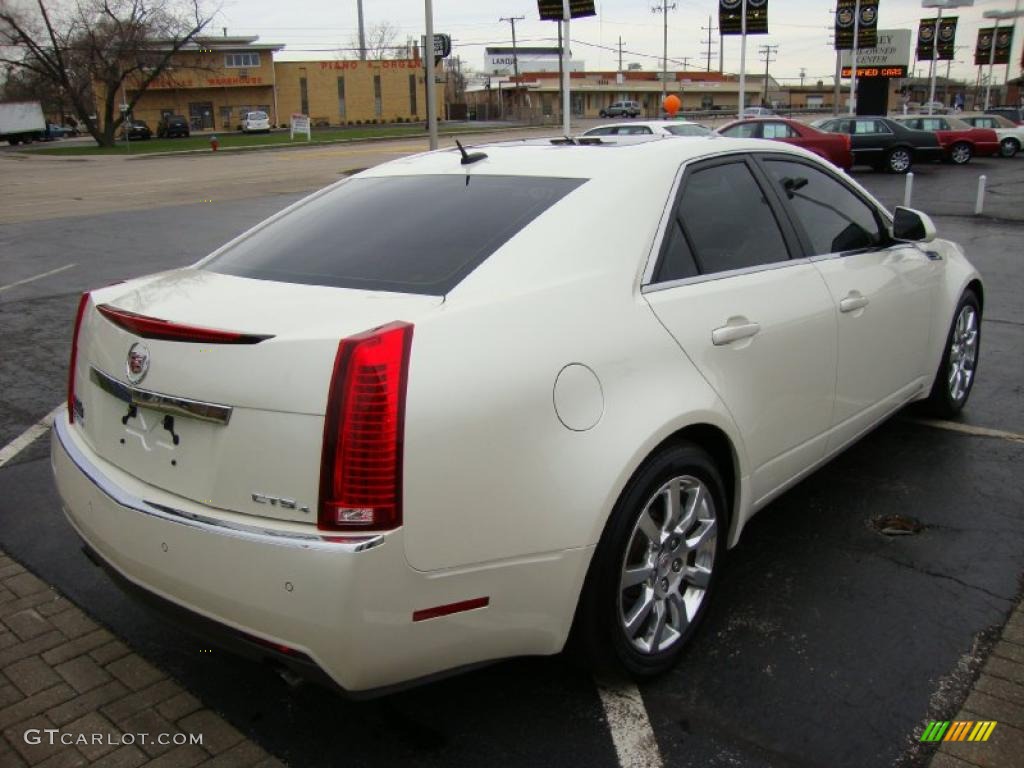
x=237, y=427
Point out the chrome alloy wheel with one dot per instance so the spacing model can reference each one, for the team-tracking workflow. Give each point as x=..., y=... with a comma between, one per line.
x=899, y=160
x=963, y=353
x=667, y=568
x=960, y=154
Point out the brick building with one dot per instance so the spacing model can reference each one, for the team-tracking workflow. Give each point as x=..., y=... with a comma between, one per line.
x=215, y=81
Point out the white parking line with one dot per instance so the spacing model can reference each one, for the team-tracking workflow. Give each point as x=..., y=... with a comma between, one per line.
x=37, y=277
x=631, y=730
x=967, y=429
x=29, y=436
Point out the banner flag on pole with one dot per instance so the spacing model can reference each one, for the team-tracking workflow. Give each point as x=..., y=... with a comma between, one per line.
x=867, y=30
x=729, y=22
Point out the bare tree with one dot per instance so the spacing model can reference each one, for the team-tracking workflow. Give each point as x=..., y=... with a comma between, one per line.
x=380, y=43
x=97, y=50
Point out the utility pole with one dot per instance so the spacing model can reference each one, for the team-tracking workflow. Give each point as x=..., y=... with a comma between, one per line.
x=362, y=31
x=686, y=62
x=663, y=9
x=515, y=56
x=620, y=54
x=768, y=51
x=803, y=74
x=428, y=12
x=708, y=52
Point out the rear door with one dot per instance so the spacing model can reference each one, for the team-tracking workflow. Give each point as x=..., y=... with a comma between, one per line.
x=758, y=323
x=883, y=292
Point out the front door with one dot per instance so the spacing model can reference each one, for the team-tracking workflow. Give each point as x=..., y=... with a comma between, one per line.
x=200, y=115
x=759, y=324
x=882, y=291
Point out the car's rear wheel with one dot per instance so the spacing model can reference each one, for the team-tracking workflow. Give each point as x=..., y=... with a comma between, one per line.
x=961, y=153
x=955, y=377
x=1009, y=147
x=656, y=564
x=899, y=160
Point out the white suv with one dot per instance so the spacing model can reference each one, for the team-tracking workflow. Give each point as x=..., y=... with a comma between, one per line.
x=255, y=121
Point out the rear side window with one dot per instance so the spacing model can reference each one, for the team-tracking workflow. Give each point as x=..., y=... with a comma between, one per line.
x=742, y=131
x=727, y=220
x=779, y=131
x=409, y=234
x=834, y=218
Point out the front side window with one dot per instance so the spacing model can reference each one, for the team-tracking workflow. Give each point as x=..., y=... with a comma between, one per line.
x=409, y=234
x=727, y=220
x=834, y=218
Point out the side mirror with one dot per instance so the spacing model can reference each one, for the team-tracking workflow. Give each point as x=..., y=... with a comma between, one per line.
x=910, y=226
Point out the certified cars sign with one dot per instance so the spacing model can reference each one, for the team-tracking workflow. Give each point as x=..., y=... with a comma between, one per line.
x=890, y=58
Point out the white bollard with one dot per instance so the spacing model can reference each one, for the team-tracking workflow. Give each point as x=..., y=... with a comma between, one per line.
x=908, y=189
x=980, y=202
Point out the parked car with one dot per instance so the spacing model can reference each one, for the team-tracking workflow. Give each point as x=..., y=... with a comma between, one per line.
x=1013, y=114
x=136, y=130
x=960, y=141
x=884, y=144
x=651, y=127
x=933, y=108
x=255, y=122
x=455, y=439
x=1011, y=136
x=171, y=126
x=834, y=147
x=758, y=112
x=621, y=109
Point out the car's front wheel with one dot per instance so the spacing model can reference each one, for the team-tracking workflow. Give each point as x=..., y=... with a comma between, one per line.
x=955, y=377
x=961, y=153
x=899, y=160
x=1009, y=147
x=656, y=564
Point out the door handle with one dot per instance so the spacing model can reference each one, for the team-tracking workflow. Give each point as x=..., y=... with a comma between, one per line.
x=853, y=302
x=727, y=334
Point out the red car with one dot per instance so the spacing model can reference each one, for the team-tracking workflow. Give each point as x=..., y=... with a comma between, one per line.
x=834, y=147
x=960, y=141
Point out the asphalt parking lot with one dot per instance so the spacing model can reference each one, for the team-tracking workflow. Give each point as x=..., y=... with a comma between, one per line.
x=827, y=643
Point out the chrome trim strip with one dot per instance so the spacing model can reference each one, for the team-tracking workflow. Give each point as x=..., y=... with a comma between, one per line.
x=145, y=398
x=697, y=279
x=252, y=533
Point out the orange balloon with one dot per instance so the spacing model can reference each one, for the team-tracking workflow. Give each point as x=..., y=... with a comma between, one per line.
x=671, y=104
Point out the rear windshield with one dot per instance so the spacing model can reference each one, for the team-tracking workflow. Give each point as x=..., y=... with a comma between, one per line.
x=409, y=234
x=257, y=115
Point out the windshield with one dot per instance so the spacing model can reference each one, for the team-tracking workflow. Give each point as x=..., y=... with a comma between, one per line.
x=257, y=115
x=688, y=130
x=410, y=234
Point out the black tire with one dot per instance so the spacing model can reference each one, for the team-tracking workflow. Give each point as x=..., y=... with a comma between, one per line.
x=1009, y=147
x=961, y=153
x=599, y=634
x=899, y=160
x=602, y=113
x=942, y=401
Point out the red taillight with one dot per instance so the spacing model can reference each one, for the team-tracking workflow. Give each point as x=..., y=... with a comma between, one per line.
x=361, y=464
x=155, y=328
x=83, y=302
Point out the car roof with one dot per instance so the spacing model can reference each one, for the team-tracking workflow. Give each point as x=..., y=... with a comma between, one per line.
x=609, y=158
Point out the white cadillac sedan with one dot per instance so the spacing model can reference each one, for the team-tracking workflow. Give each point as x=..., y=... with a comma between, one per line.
x=459, y=407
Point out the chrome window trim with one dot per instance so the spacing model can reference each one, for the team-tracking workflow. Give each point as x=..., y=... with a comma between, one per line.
x=146, y=398
x=252, y=533
x=653, y=287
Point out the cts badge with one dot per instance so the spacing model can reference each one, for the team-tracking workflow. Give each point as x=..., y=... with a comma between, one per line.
x=137, y=365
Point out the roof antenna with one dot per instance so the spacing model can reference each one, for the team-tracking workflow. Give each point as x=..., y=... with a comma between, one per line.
x=467, y=158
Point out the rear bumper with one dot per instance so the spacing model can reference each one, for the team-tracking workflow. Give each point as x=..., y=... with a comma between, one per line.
x=345, y=608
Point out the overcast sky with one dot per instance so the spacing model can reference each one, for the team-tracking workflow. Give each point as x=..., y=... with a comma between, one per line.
x=315, y=28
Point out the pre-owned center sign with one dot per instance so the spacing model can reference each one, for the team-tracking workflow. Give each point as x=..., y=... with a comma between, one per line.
x=890, y=58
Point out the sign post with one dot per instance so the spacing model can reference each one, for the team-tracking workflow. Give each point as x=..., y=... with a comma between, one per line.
x=562, y=11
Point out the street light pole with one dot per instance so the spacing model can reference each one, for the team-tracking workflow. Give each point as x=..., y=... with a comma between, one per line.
x=1015, y=14
x=743, y=56
x=431, y=90
x=853, y=59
